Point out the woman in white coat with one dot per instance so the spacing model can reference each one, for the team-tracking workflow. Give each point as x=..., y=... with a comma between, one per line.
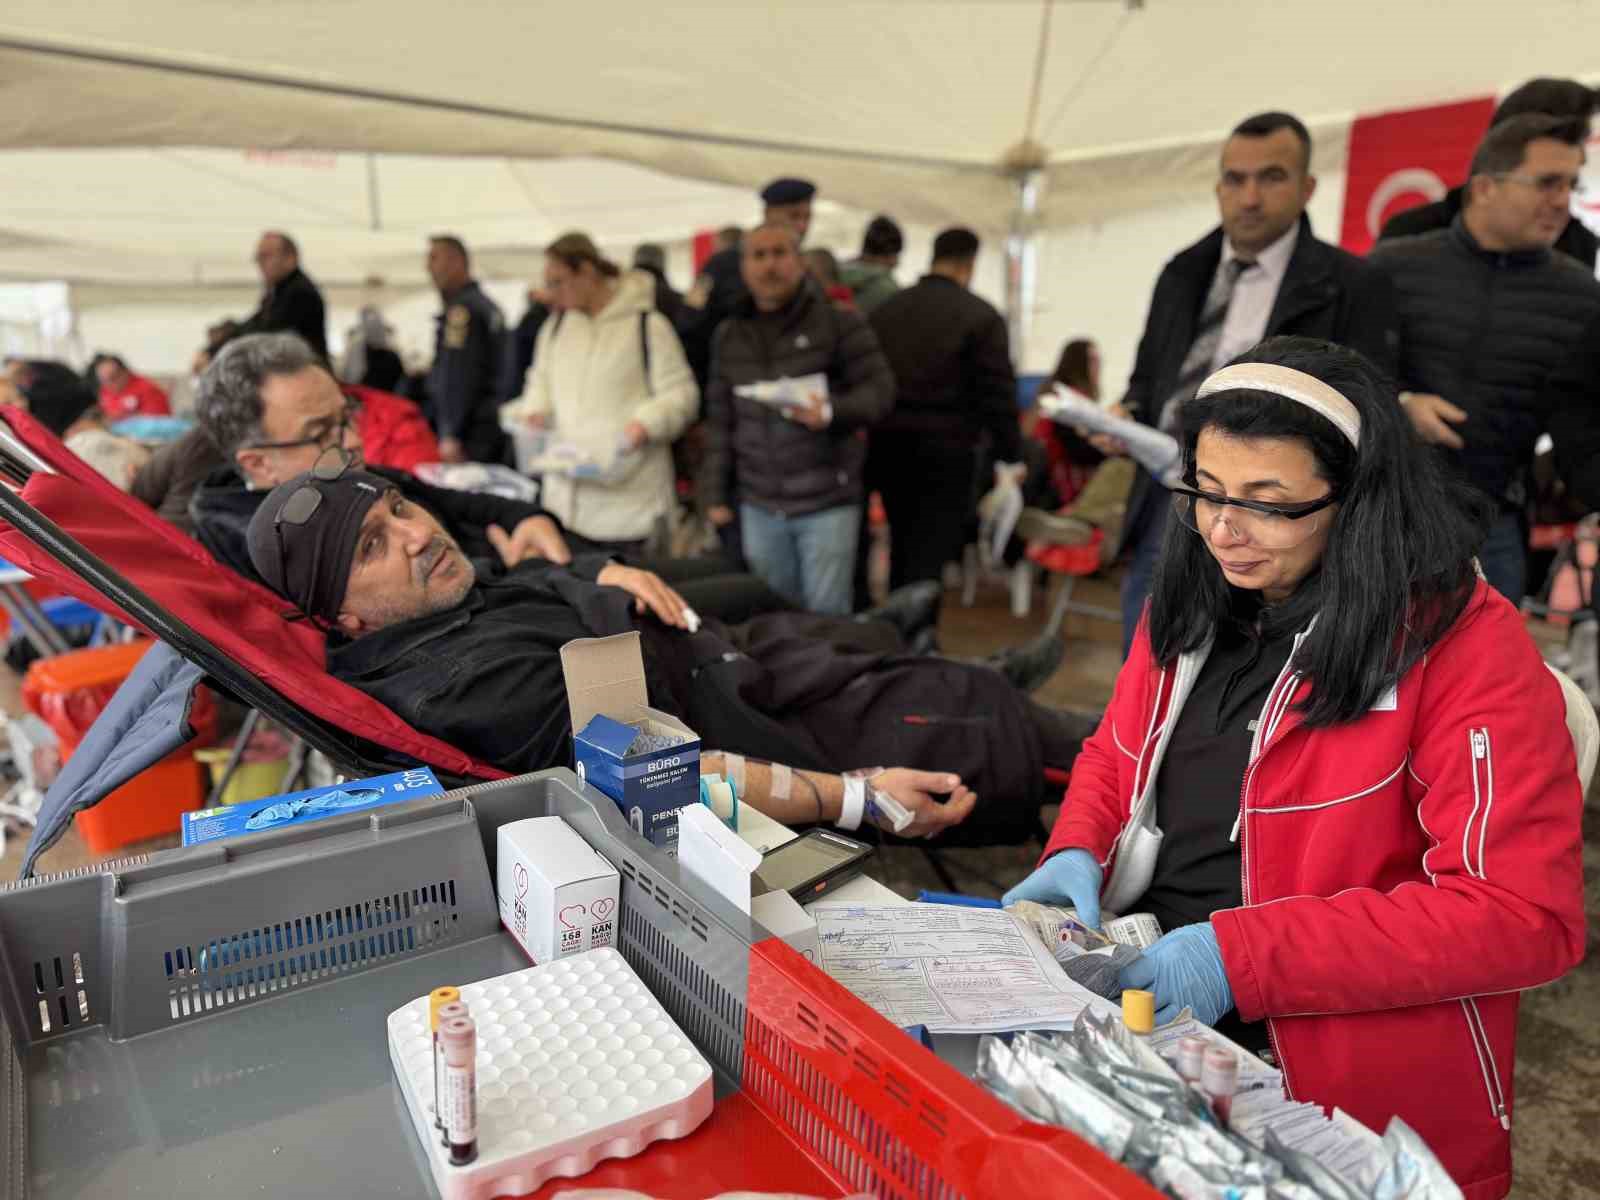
x=609, y=377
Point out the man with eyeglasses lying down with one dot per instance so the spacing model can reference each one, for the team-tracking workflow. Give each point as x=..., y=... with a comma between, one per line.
x=1496, y=330
x=468, y=651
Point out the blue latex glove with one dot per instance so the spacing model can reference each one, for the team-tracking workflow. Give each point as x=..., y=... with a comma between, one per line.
x=1183, y=969
x=1071, y=877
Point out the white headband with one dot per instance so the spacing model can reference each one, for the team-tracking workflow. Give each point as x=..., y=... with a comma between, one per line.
x=1325, y=401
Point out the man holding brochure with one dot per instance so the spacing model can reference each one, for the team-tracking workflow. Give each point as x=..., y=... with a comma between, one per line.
x=793, y=383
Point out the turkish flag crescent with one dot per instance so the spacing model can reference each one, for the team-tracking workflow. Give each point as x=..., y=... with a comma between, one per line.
x=1398, y=160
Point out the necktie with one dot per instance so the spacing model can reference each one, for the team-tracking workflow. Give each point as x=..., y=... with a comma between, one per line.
x=1207, y=335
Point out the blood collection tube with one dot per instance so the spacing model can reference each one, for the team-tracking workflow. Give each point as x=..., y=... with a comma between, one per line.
x=1219, y=1079
x=1191, y=1058
x=458, y=1037
x=437, y=999
x=455, y=1008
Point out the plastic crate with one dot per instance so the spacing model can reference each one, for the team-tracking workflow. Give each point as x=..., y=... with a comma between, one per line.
x=149, y=805
x=211, y=1019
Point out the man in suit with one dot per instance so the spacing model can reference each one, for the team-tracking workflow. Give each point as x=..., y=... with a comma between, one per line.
x=1259, y=274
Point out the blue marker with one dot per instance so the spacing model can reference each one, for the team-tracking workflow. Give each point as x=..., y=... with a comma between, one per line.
x=957, y=899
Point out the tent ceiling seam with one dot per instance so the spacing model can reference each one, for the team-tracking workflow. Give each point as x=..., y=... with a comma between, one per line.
x=349, y=92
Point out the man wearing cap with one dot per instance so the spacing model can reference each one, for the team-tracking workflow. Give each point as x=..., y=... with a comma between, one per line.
x=785, y=202
x=470, y=653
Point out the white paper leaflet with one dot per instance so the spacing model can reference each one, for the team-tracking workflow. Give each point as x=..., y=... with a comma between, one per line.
x=952, y=969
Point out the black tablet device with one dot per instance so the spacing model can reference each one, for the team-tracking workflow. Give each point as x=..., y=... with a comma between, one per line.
x=812, y=865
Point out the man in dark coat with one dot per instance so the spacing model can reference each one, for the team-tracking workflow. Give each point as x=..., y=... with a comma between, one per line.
x=794, y=381
x=470, y=654
x=721, y=288
x=1262, y=273
x=291, y=303
x=463, y=401
x=1495, y=330
x=1552, y=97
x=954, y=389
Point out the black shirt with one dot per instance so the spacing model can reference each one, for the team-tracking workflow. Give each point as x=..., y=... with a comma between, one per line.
x=1202, y=774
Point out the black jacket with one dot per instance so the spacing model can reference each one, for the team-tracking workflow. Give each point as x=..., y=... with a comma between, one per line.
x=727, y=295
x=951, y=359
x=669, y=301
x=293, y=305
x=468, y=363
x=778, y=463
x=1489, y=332
x=813, y=692
x=1326, y=293
x=519, y=350
x=485, y=676
x=1575, y=239
x=222, y=506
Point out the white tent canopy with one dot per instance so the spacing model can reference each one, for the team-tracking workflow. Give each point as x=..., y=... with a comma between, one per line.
x=145, y=145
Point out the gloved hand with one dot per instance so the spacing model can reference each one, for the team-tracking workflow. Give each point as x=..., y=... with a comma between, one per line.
x=1183, y=969
x=1071, y=877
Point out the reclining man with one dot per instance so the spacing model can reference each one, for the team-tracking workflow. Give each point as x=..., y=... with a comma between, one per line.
x=469, y=652
x=271, y=406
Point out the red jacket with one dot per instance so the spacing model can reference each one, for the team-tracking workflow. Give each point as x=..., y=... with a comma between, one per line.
x=1404, y=876
x=394, y=433
x=139, y=397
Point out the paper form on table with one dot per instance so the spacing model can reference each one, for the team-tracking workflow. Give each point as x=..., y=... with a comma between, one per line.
x=955, y=970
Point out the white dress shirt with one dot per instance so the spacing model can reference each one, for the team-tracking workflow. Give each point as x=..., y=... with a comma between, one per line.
x=1253, y=296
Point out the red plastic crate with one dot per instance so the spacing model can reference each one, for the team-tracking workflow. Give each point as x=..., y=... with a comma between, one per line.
x=886, y=1116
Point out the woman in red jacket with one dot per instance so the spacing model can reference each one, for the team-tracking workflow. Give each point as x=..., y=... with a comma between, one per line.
x=1335, y=766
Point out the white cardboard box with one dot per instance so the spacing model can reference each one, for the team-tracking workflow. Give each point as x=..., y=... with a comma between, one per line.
x=782, y=916
x=715, y=854
x=557, y=895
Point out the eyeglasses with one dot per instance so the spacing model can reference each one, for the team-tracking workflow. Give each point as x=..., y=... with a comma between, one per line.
x=347, y=417
x=1270, y=526
x=303, y=504
x=1547, y=185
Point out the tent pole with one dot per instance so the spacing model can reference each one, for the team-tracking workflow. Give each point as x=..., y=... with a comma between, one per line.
x=1022, y=263
x=372, y=191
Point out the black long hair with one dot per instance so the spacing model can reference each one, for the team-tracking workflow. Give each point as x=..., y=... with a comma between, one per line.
x=1398, y=568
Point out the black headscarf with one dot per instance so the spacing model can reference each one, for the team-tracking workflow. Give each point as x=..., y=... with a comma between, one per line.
x=309, y=563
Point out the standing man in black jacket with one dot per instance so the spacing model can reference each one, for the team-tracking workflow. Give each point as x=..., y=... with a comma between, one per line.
x=469, y=354
x=798, y=465
x=951, y=360
x=1493, y=330
x=1551, y=97
x=291, y=303
x=1261, y=274
x=720, y=290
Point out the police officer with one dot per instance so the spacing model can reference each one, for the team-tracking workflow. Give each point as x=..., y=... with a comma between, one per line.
x=468, y=350
x=720, y=288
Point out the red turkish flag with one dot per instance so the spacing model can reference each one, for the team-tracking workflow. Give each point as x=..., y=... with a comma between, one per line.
x=1398, y=160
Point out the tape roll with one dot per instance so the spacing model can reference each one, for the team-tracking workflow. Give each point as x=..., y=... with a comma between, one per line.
x=716, y=794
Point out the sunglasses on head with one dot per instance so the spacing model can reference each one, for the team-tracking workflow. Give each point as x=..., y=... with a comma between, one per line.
x=307, y=498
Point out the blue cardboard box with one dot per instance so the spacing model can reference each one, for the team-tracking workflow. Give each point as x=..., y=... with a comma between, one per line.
x=608, y=702
x=296, y=808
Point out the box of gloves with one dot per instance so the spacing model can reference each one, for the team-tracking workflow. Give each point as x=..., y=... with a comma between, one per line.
x=646, y=760
x=295, y=808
